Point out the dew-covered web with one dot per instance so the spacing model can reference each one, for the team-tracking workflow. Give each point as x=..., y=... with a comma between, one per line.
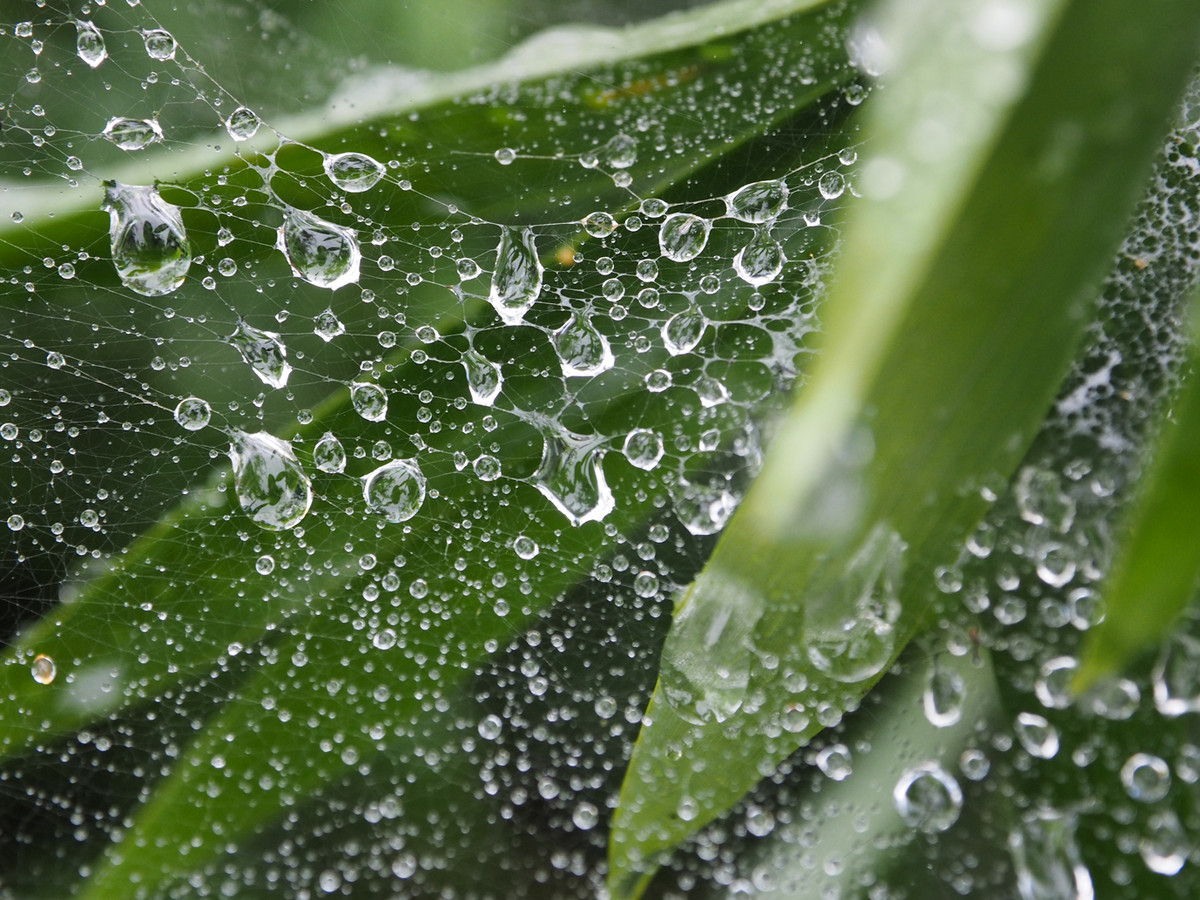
x=469, y=371
x=362, y=423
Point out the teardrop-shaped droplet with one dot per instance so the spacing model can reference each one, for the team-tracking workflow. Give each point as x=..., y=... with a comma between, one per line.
x=320, y=252
x=928, y=798
x=270, y=485
x=643, y=448
x=571, y=475
x=517, y=278
x=1047, y=860
x=1176, y=676
x=682, y=332
x=193, y=413
x=943, y=697
x=682, y=236
x=757, y=203
x=263, y=352
x=160, y=43
x=484, y=378
x=706, y=660
x=703, y=505
x=89, y=44
x=761, y=260
x=133, y=134
x=329, y=455
x=243, y=123
x=149, y=245
x=395, y=490
x=1037, y=735
x=327, y=325
x=353, y=172
x=369, y=400
x=582, y=350
x=1166, y=846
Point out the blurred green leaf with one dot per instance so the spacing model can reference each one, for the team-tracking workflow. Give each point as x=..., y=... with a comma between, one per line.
x=960, y=297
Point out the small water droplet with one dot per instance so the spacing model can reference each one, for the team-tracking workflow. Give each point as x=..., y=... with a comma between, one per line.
x=490, y=727
x=353, y=172
x=149, y=244
x=369, y=400
x=517, y=278
x=243, y=123
x=15, y=522
x=643, y=448
x=1053, y=686
x=395, y=490
x=486, y=467
x=329, y=455
x=384, y=639
x=319, y=252
x=264, y=352
x=835, y=762
x=758, y=203
x=89, y=44
x=582, y=350
x=682, y=236
x=467, y=268
x=928, y=798
x=761, y=260
x=944, y=695
x=571, y=475
x=1037, y=735
x=525, y=547
x=327, y=325
x=271, y=486
x=1146, y=778
x=160, y=44
x=683, y=331
x=193, y=413
x=505, y=156
x=619, y=153
x=599, y=224
x=1041, y=500
x=43, y=669
x=831, y=185
x=484, y=378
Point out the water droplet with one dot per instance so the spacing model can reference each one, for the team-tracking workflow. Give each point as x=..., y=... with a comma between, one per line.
x=265, y=564
x=89, y=44
x=1053, y=686
x=242, y=124
x=703, y=505
x=682, y=236
x=582, y=350
x=319, y=252
x=571, y=476
x=329, y=455
x=1176, y=676
x=395, y=490
x=525, y=547
x=831, y=185
x=193, y=413
x=132, y=134
x=761, y=260
x=944, y=695
x=15, y=522
x=1047, y=860
x=835, y=762
x=505, y=156
x=643, y=448
x=683, y=331
x=1146, y=778
x=160, y=44
x=264, y=352
x=757, y=203
x=353, y=172
x=1041, y=500
x=149, y=245
x=851, y=633
x=490, y=727
x=619, y=153
x=43, y=669
x=517, y=279
x=369, y=400
x=1116, y=699
x=586, y=816
x=486, y=467
x=484, y=378
x=327, y=325
x=55, y=360
x=707, y=656
x=271, y=487
x=928, y=798
x=1037, y=735
x=599, y=224
x=1166, y=846
x=384, y=640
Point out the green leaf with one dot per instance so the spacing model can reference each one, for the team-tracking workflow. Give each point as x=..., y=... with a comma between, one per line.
x=960, y=297
x=1155, y=576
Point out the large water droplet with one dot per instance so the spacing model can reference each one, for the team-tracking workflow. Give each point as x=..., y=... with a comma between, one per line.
x=928, y=798
x=133, y=134
x=943, y=697
x=761, y=260
x=160, y=44
x=1165, y=846
x=270, y=485
x=682, y=332
x=329, y=455
x=1146, y=777
x=757, y=203
x=243, y=123
x=89, y=44
x=149, y=245
x=571, y=475
x=320, y=252
x=682, y=236
x=517, y=278
x=1047, y=860
x=327, y=325
x=193, y=413
x=582, y=350
x=353, y=172
x=1037, y=735
x=643, y=448
x=369, y=400
x=43, y=669
x=395, y=490
x=619, y=153
x=264, y=352
x=851, y=631
x=703, y=505
x=484, y=378
x=1176, y=676
x=706, y=659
